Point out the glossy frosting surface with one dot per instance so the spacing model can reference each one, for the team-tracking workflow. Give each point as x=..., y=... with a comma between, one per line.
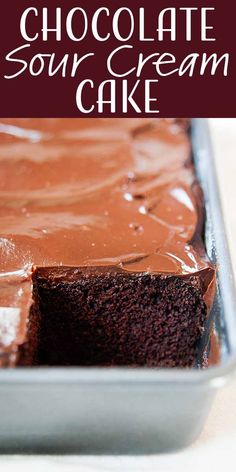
x=94, y=192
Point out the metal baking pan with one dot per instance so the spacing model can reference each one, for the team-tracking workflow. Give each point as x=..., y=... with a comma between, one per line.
x=126, y=410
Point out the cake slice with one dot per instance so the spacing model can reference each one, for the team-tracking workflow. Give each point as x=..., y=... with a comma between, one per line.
x=102, y=257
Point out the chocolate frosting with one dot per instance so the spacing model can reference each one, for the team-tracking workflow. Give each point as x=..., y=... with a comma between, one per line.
x=94, y=192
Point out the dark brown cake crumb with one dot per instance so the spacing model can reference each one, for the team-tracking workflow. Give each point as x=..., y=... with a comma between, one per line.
x=115, y=319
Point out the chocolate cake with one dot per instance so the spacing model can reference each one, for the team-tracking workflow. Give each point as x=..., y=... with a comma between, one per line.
x=102, y=256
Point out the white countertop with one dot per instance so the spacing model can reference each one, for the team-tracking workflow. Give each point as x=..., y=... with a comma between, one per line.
x=216, y=447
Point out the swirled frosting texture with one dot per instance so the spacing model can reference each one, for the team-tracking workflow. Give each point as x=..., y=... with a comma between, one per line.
x=94, y=192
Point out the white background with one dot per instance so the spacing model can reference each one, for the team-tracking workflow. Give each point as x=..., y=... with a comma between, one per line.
x=216, y=448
